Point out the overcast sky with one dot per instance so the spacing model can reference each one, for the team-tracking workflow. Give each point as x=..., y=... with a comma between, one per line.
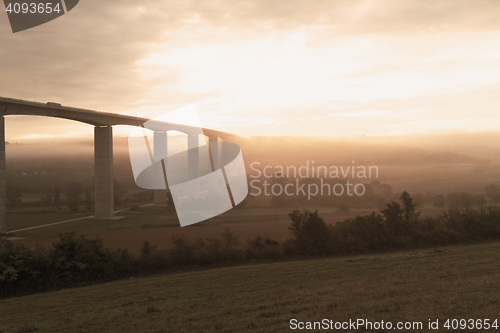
x=281, y=67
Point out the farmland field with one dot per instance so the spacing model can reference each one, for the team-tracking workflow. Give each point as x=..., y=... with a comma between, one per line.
x=157, y=226
x=434, y=283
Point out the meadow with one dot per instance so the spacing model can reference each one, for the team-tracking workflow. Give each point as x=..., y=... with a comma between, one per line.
x=158, y=226
x=451, y=282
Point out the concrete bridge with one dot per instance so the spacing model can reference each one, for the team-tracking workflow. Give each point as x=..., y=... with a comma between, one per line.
x=103, y=123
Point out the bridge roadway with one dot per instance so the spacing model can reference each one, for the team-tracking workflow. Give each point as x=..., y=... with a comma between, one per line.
x=103, y=123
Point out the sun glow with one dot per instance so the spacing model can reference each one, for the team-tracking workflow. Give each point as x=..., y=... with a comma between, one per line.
x=303, y=69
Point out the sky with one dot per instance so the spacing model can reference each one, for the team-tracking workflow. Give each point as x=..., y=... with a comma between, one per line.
x=263, y=68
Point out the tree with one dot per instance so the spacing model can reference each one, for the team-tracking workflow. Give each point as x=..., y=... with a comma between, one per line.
x=229, y=239
x=74, y=193
x=401, y=219
x=392, y=211
x=408, y=207
x=311, y=233
x=297, y=221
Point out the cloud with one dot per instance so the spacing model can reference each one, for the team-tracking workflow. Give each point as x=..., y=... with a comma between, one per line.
x=284, y=61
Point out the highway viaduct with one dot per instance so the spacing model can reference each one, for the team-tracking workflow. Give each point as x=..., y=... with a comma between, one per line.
x=103, y=123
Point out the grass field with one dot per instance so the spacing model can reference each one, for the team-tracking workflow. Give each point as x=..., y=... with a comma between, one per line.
x=26, y=220
x=155, y=223
x=436, y=283
x=157, y=226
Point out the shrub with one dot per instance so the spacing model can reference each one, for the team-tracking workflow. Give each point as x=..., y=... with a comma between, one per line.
x=151, y=260
x=263, y=248
x=398, y=227
x=310, y=232
x=74, y=260
x=77, y=259
x=122, y=264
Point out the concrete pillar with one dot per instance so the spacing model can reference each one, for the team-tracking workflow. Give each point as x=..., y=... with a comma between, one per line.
x=214, y=151
x=160, y=152
x=103, y=174
x=3, y=179
x=215, y=158
x=193, y=163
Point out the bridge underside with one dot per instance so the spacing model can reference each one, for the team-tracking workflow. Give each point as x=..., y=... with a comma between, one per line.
x=103, y=146
x=103, y=174
x=103, y=170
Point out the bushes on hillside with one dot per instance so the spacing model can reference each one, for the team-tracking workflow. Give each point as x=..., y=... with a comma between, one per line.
x=71, y=261
x=398, y=227
x=75, y=261
x=263, y=249
x=310, y=233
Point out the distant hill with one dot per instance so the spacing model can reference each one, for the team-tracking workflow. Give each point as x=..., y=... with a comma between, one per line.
x=296, y=151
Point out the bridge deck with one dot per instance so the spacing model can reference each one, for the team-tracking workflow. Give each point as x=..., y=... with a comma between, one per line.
x=10, y=106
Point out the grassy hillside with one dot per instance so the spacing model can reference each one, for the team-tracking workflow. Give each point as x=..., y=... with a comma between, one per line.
x=437, y=283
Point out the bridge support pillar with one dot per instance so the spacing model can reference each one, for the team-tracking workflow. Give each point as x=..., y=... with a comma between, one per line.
x=160, y=154
x=193, y=163
x=214, y=151
x=3, y=179
x=103, y=172
x=215, y=156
